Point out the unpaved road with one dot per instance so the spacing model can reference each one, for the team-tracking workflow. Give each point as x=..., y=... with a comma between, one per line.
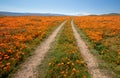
x=92, y=62
x=29, y=68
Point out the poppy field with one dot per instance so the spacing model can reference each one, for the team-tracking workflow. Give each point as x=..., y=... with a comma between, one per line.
x=103, y=33
x=20, y=35
x=66, y=60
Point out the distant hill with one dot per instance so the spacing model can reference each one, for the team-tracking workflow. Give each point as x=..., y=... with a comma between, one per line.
x=2, y=13
x=110, y=14
x=92, y=15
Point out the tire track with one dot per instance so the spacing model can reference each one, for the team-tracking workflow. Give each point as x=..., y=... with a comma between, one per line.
x=92, y=62
x=29, y=67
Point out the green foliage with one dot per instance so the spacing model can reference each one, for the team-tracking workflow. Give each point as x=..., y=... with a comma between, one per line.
x=67, y=61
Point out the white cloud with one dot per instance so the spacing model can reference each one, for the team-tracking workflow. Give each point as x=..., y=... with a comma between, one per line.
x=78, y=13
x=86, y=13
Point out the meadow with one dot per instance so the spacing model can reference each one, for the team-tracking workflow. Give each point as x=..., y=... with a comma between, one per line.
x=20, y=35
x=103, y=35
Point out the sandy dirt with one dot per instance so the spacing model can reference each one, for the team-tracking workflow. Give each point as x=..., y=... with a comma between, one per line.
x=29, y=68
x=92, y=61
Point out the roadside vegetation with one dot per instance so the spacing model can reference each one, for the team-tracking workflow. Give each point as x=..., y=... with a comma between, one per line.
x=19, y=36
x=64, y=59
x=103, y=38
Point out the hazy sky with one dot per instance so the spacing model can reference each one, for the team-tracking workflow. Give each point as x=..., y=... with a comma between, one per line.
x=61, y=6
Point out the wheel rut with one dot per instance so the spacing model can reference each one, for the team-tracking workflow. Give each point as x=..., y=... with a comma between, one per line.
x=92, y=61
x=29, y=68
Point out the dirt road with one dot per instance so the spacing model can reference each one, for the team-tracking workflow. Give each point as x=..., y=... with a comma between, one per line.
x=92, y=62
x=29, y=68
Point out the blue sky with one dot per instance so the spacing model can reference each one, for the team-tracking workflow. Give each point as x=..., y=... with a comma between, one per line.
x=71, y=7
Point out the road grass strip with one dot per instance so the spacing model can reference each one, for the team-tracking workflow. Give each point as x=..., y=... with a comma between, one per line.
x=27, y=50
x=65, y=60
x=103, y=64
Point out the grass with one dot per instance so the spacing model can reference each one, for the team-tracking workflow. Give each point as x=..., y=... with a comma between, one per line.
x=112, y=69
x=43, y=67
x=29, y=50
x=64, y=59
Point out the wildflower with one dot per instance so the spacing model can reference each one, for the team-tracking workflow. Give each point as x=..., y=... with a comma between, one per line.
x=68, y=62
x=74, y=70
x=73, y=64
x=8, y=64
x=49, y=64
x=84, y=77
x=62, y=63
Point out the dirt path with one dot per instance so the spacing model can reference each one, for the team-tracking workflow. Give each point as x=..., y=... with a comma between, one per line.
x=29, y=67
x=92, y=62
